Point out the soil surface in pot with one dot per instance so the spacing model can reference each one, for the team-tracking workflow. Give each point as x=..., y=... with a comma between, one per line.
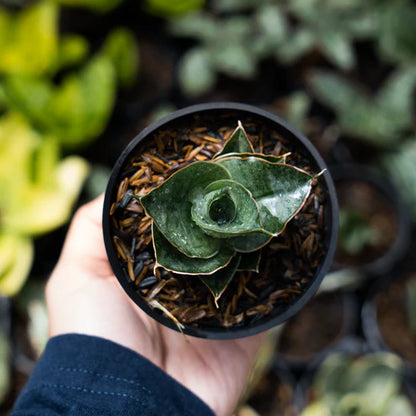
x=376, y=211
x=318, y=325
x=288, y=263
x=393, y=320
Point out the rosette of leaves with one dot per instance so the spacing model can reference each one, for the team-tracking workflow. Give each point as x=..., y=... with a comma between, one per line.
x=211, y=219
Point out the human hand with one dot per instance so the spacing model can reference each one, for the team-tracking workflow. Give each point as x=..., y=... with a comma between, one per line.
x=84, y=296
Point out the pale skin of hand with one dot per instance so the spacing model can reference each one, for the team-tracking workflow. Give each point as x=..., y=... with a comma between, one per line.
x=83, y=296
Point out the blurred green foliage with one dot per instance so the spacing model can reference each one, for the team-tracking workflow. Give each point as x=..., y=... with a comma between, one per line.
x=170, y=8
x=29, y=42
x=54, y=97
x=234, y=36
x=368, y=385
x=401, y=165
x=379, y=118
x=5, y=375
x=354, y=231
x=120, y=47
x=76, y=111
x=232, y=45
x=100, y=6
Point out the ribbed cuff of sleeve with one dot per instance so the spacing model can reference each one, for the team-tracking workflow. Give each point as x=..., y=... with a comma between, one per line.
x=87, y=376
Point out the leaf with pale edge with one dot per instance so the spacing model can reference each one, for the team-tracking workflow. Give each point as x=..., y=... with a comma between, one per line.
x=226, y=209
x=168, y=257
x=237, y=143
x=219, y=281
x=170, y=207
x=279, y=190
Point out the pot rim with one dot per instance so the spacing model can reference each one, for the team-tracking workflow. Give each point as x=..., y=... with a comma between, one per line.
x=287, y=131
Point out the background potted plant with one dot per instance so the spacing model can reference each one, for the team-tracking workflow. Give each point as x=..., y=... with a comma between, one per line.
x=388, y=318
x=170, y=162
x=366, y=384
x=374, y=222
x=327, y=321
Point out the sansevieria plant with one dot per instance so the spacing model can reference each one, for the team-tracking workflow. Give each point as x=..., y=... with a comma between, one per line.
x=211, y=218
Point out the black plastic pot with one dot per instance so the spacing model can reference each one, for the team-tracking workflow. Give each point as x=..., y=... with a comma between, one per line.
x=382, y=265
x=208, y=111
x=347, y=323
x=373, y=333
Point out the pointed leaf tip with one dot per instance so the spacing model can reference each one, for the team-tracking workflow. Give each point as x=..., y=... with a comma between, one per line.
x=237, y=143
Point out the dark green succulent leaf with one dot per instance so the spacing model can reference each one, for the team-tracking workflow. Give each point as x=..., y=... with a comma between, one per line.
x=250, y=261
x=218, y=282
x=226, y=209
x=270, y=158
x=237, y=143
x=170, y=207
x=249, y=242
x=170, y=258
x=280, y=190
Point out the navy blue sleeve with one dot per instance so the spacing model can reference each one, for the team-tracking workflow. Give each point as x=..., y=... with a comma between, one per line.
x=89, y=376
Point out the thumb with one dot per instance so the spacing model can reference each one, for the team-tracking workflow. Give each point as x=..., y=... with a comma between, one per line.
x=84, y=245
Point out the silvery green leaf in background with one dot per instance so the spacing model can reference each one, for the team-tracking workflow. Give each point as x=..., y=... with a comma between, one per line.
x=196, y=76
x=328, y=26
x=339, y=50
x=272, y=30
x=296, y=45
x=234, y=60
x=381, y=119
x=199, y=25
x=402, y=168
x=397, y=33
x=355, y=233
x=297, y=106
